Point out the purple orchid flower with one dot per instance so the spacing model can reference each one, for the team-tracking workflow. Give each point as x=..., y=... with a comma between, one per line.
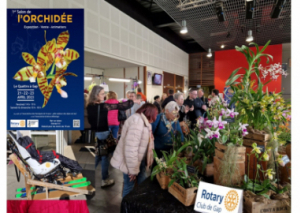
x=221, y=123
x=232, y=113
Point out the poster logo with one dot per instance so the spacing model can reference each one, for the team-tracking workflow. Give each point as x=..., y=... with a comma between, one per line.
x=17, y=123
x=231, y=200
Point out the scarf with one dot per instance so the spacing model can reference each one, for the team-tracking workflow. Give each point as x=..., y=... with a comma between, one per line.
x=149, y=156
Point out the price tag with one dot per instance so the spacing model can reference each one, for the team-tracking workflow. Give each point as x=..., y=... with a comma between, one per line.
x=229, y=120
x=261, y=147
x=285, y=159
x=191, y=169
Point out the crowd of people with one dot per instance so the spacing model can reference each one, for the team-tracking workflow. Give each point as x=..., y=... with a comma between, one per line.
x=140, y=127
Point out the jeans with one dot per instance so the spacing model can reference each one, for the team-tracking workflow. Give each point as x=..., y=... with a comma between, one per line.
x=114, y=130
x=128, y=186
x=104, y=159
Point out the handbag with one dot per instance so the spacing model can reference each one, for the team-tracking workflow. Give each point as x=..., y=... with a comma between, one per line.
x=122, y=115
x=103, y=147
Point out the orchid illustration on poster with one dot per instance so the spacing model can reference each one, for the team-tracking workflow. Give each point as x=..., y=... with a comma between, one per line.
x=53, y=53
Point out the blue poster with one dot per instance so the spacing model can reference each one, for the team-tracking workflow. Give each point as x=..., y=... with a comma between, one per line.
x=45, y=69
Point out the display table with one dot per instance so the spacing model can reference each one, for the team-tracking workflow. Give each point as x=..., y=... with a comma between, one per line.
x=149, y=197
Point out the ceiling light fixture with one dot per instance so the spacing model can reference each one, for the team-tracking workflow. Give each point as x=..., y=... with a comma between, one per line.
x=88, y=78
x=119, y=79
x=219, y=8
x=249, y=37
x=184, y=29
x=209, y=54
x=277, y=8
x=250, y=5
x=222, y=46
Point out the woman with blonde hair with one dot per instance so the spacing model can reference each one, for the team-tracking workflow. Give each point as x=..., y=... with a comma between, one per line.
x=112, y=116
x=97, y=117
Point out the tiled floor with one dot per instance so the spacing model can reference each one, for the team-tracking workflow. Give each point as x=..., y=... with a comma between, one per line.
x=107, y=200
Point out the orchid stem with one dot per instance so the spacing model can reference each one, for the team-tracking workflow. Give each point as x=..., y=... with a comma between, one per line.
x=52, y=69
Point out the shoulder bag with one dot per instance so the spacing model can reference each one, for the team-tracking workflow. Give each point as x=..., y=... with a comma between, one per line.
x=108, y=145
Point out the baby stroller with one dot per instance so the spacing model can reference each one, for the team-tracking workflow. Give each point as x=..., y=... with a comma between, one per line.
x=47, y=166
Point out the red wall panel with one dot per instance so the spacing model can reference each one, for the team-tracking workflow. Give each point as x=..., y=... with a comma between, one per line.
x=228, y=60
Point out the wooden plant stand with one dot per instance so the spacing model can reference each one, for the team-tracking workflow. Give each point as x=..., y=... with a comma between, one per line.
x=240, y=162
x=62, y=190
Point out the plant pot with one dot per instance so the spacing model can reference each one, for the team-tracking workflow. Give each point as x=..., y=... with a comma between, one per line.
x=239, y=162
x=209, y=170
x=186, y=196
x=257, y=135
x=250, y=205
x=163, y=180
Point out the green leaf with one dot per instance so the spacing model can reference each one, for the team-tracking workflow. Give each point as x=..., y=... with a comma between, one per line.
x=256, y=45
x=266, y=45
x=233, y=79
x=224, y=138
x=171, y=182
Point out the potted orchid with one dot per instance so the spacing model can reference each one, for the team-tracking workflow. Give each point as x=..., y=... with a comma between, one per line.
x=261, y=192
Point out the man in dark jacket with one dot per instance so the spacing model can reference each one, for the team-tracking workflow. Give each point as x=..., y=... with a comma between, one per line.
x=168, y=99
x=157, y=103
x=190, y=102
x=201, y=104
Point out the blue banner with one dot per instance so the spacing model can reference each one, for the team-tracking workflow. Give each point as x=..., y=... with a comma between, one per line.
x=45, y=69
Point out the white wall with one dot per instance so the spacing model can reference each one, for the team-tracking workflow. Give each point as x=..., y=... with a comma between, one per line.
x=89, y=70
x=110, y=32
x=118, y=87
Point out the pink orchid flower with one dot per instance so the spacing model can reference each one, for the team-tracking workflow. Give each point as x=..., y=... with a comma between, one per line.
x=221, y=123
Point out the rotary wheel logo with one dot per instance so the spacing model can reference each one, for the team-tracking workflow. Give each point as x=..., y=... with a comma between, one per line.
x=47, y=165
x=231, y=200
x=22, y=123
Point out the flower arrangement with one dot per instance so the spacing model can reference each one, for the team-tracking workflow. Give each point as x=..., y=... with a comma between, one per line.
x=222, y=125
x=261, y=110
x=263, y=187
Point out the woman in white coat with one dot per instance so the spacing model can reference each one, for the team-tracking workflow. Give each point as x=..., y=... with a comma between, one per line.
x=134, y=152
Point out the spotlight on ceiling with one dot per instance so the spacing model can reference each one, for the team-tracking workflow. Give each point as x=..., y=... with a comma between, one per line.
x=209, y=54
x=219, y=7
x=249, y=37
x=184, y=29
x=250, y=5
x=222, y=46
x=277, y=8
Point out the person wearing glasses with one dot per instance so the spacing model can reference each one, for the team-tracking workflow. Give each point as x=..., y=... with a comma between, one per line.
x=164, y=126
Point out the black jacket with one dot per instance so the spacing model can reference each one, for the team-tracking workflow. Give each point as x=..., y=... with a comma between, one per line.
x=157, y=106
x=167, y=100
x=191, y=116
x=199, y=102
x=99, y=122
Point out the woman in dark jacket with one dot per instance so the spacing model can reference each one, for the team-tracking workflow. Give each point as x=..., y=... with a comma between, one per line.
x=164, y=126
x=97, y=117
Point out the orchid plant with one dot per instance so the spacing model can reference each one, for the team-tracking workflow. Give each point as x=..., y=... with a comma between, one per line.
x=261, y=110
x=219, y=127
x=262, y=187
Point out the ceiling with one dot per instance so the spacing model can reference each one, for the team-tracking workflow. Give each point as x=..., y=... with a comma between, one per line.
x=149, y=14
x=103, y=62
x=208, y=32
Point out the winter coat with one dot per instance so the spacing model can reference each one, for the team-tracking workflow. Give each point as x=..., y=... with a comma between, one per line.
x=112, y=116
x=132, y=146
x=162, y=138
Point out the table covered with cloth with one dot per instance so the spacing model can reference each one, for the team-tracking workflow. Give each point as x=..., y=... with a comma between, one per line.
x=149, y=197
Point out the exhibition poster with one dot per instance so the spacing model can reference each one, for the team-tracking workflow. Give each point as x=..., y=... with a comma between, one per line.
x=45, y=69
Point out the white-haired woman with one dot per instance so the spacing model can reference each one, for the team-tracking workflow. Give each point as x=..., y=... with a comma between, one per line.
x=164, y=126
x=97, y=116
